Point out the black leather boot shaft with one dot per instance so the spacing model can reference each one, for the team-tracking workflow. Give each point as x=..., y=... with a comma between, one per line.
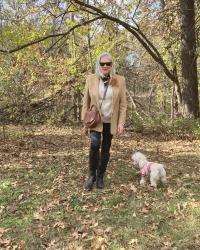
x=93, y=162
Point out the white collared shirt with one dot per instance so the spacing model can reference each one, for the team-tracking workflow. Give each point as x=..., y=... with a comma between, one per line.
x=106, y=108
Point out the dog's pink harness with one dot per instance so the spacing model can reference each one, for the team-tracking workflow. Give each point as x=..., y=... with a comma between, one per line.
x=146, y=170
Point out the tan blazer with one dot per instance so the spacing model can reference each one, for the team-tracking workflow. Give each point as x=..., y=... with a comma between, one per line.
x=119, y=104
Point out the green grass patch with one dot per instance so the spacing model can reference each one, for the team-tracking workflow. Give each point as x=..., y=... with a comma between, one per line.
x=44, y=205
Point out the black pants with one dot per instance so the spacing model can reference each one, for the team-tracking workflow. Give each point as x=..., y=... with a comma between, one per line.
x=98, y=160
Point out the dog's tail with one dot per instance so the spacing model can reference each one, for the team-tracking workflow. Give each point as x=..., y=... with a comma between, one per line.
x=163, y=175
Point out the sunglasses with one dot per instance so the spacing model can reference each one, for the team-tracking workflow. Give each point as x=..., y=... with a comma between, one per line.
x=105, y=64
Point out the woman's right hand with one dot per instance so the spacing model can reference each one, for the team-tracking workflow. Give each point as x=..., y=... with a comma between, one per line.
x=85, y=130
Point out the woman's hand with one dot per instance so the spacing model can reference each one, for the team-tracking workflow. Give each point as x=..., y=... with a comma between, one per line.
x=120, y=129
x=85, y=130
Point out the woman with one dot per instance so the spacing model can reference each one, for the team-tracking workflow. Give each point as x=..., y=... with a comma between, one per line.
x=112, y=108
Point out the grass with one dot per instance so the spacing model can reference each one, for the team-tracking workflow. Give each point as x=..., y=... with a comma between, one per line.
x=43, y=204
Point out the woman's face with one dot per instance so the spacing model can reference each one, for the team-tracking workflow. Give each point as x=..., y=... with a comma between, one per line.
x=105, y=65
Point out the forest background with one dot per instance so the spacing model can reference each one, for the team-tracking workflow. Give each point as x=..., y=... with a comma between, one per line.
x=47, y=48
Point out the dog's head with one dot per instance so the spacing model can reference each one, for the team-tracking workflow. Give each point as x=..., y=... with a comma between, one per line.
x=138, y=158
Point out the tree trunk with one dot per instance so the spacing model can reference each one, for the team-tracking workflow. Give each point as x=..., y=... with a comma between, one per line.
x=150, y=99
x=189, y=60
x=177, y=94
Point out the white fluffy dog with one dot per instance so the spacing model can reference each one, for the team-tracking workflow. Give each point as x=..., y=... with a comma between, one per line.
x=154, y=170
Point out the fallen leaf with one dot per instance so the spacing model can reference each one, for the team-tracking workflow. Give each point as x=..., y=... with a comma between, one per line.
x=98, y=243
x=133, y=188
x=99, y=231
x=12, y=209
x=75, y=235
x=133, y=242
x=3, y=230
x=4, y=242
x=1, y=209
x=84, y=235
x=145, y=210
x=95, y=225
x=59, y=224
x=38, y=216
x=20, y=197
x=167, y=243
x=108, y=230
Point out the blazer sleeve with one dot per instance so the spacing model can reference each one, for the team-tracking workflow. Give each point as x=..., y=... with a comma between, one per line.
x=123, y=103
x=86, y=99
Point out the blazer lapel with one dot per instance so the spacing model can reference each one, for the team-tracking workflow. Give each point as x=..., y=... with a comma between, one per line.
x=115, y=90
x=96, y=90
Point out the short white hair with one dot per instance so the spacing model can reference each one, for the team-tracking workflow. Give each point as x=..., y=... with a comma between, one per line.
x=97, y=69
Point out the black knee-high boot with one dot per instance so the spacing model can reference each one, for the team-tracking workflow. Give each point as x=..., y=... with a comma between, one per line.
x=105, y=154
x=93, y=164
x=102, y=169
x=103, y=163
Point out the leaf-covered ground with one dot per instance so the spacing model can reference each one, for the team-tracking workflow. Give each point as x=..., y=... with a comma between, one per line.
x=43, y=203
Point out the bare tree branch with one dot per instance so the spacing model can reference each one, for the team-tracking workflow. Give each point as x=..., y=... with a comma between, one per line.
x=136, y=8
x=138, y=35
x=49, y=36
x=57, y=41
